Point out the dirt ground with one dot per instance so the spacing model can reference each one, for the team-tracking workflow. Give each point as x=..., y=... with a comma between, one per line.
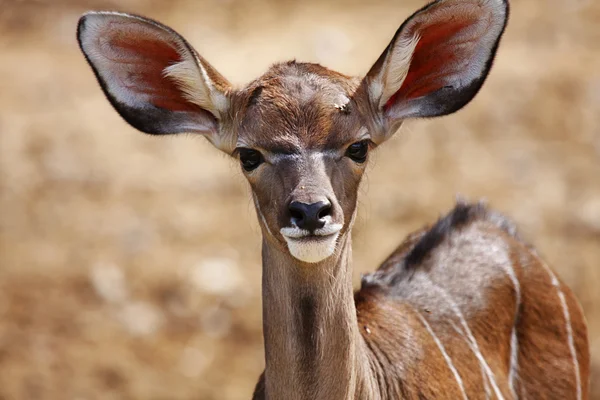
x=130, y=265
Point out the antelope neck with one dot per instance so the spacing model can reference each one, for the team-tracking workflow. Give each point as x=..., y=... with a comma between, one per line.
x=312, y=342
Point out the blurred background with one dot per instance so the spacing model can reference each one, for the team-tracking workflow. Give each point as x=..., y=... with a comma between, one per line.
x=130, y=265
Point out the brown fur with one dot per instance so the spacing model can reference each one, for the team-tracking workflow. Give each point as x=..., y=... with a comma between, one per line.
x=403, y=355
x=296, y=100
x=542, y=337
x=462, y=309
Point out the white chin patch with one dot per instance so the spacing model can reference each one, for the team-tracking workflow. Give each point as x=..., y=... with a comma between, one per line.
x=313, y=249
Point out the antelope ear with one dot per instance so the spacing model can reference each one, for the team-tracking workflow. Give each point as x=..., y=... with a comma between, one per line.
x=437, y=60
x=154, y=78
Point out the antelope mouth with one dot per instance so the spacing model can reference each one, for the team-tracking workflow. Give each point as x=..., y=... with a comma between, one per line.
x=311, y=247
x=297, y=233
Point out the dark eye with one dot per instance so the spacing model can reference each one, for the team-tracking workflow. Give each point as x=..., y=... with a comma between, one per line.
x=250, y=159
x=358, y=151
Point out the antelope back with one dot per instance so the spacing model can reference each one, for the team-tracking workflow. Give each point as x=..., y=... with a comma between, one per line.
x=476, y=313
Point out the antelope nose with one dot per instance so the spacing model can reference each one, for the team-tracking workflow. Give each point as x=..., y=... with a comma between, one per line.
x=310, y=216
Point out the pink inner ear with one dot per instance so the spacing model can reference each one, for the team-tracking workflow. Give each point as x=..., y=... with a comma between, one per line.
x=140, y=62
x=435, y=57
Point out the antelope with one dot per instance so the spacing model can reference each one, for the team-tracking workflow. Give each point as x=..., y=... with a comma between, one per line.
x=463, y=309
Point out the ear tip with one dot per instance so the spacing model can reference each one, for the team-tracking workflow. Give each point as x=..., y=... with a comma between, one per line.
x=93, y=14
x=91, y=18
x=86, y=18
x=81, y=27
x=81, y=23
x=100, y=15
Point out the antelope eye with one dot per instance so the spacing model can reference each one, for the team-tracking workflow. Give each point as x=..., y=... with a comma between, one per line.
x=358, y=151
x=250, y=159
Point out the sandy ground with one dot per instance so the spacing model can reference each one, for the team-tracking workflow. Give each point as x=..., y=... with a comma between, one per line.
x=129, y=265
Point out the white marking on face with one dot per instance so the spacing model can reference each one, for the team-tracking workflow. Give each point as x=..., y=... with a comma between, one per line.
x=570, y=340
x=444, y=354
x=278, y=157
x=321, y=155
x=311, y=248
x=363, y=133
x=260, y=214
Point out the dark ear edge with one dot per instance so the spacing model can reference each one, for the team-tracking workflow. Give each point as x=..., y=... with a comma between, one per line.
x=448, y=99
x=153, y=120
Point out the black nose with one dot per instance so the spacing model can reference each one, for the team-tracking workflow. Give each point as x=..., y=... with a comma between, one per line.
x=310, y=216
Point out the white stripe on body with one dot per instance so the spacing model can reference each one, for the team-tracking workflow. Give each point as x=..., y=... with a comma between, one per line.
x=569, y=328
x=484, y=376
x=445, y=354
x=260, y=214
x=514, y=345
x=471, y=338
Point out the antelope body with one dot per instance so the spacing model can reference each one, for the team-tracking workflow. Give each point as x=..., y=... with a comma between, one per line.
x=463, y=309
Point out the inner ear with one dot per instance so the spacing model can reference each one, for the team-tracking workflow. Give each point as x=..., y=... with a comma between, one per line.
x=437, y=60
x=143, y=65
x=446, y=52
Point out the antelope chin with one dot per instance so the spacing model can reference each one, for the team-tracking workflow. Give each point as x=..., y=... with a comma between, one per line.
x=311, y=248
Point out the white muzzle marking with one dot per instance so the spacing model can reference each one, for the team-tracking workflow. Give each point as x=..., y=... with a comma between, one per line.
x=311, y=248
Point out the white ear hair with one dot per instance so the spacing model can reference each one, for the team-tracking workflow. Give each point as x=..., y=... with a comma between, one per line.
x=193, y=80
x=389, y=80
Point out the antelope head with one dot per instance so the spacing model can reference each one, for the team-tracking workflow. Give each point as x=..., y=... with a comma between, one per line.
x=302, y=133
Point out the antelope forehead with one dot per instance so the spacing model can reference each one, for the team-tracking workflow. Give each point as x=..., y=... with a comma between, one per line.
x=292, y=127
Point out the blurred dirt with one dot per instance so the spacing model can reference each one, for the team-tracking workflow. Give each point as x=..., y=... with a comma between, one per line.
x=130, y=265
